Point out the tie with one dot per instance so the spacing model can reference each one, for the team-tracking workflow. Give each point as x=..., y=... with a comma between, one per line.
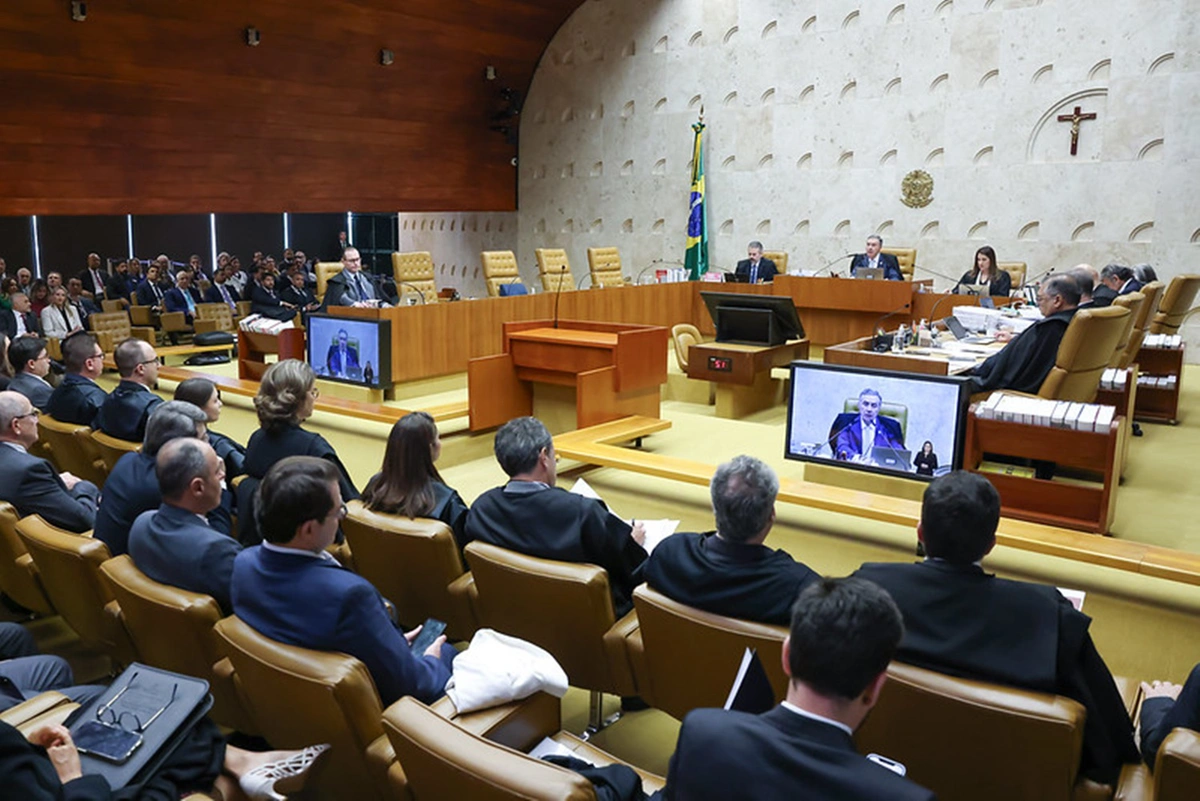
x=157, y=294
x=754, y=273
x=99, y=284
x=363, y=292
x=187, y=298
x=868, y=440
x=21, y=329
x=225, y=294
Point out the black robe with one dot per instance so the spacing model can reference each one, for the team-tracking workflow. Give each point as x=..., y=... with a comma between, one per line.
x=1026, y=361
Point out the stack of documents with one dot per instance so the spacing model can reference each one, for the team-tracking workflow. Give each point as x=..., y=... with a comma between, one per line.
x=1162, y=341
x=1041, y=412
x=1114, y=379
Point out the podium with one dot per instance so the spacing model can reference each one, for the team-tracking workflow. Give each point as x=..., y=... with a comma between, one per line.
x=594, y=372
x=742, y=373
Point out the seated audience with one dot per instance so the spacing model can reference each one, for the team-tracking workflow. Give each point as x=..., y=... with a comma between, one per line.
x=24, y=672
x=30, y=484
x=964, y=621
x=5, y=368
x=222, y=291
x=1026, y=361
x=8, y=288
x=183, y=297
x=24, y=279
x=409, y=484
x=175, y=544
x=132, y=486
x=39, y=297
x=151, y=291
x=531, y=515
x=94, y=279
x=60, y=319
x=31, y=365
x=730, y=571
x=78, y=397
x=292, y=590
x=203, y=394
x=265, y=300
x=1166, y=707
x=985, y=276
x=84, y=306
x=129, y=405
x=843, y=634
x=298, y=294
x=19, y=321
x=118, y=287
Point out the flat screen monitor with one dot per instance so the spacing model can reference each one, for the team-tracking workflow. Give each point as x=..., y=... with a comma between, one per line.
x=830, y=407
x=349, y=350
x=753, y=319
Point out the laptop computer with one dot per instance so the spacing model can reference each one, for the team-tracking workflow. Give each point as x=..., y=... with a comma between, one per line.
x=869, y=273
x=962, y=334
x=892, y=458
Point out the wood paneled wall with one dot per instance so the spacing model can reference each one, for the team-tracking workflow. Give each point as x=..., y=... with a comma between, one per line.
x=159, y=107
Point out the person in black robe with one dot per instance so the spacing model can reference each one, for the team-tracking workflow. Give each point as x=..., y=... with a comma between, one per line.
x=1026, y=361
x=963, y=621
x=532, y=516
x=730, y=571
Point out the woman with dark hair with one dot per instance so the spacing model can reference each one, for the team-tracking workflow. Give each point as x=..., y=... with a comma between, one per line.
x=39, y=296
x=985, y=273
x=5, y=370
x=409, y=484
x=204, y=395
x=926, y=461
x=7, y=287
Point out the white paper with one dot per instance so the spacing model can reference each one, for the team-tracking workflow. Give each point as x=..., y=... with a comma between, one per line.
x=656, y=531
x=548, y=747
x=1074, y=596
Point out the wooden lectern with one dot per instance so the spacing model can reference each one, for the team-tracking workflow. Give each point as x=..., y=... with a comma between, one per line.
x=253, y=349
x=614, y=369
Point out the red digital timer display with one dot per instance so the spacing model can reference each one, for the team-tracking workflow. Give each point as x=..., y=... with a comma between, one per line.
x=720, y=364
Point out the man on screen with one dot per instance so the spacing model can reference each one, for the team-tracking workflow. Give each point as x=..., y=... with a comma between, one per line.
x=856, y=436
x=342, y=357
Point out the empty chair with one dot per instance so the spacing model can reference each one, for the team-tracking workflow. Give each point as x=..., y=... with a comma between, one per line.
x=1016, y=271
x=604, y=265
x=72, y=449
x=906, y=258
x=499, y=268
x=1126, y=349
x=111, y=328
x=1176, y=304
x=413, y=272
x=112, y=449
x=683, y=336
x=213, y=317
x=1153, y=292
x=780, y=257
x=554, y=269
x=19, y=579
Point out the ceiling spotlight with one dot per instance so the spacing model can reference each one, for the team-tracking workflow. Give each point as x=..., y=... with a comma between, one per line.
x=253, y=37
x=387, y=57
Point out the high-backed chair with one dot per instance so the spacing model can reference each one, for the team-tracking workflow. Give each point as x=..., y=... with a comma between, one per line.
x=1141, y=324
x=907, y=259
x=1176, y=771
x=69, y=567
x=111, y=306
x=172, y=629
x=604, y=264
x=111, y=328
x=896, y=411
x=213, y=317
x=1016, y=270
x=299, y=696
x=1127, y=347
x=1176, y=304
x=442, y=760
x=19, y=577
x=325, y=270
x=554, y=269
x=683, y=336
x=672, y=636
x=140, y=315
x=950, y=733
x=780, y=257
x=415, y=564
x=416, y=270
x=112, y=449
x=71, y=449
x=1084, y=354
x=564, y=607
x=499, y=267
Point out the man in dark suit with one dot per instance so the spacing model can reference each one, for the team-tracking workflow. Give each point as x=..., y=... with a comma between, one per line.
x=1166, y=707
x=966, y=622
x=29, y=483
x=1117, y=280
x=132, y=486
x=78, y=397
x=298, y=294
x=85, y=306
x=531, y=515
x=265, y=300
x=876, y=259
x=843, y=634
x=94, y=279
x=342, y=357
x=128, y=407
x=290, y=589
x=174, y=544
x=24, y=672
x=351, y=287
x=1086, y=278
x=855, y=436
x=183, y=297
x=730, y=571
x=29, y=360
x=755, y=268
x=20, y=320
x=222, y=291
x=150, y=292
x=118, y=287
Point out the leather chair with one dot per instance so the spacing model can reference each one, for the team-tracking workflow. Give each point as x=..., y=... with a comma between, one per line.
x=1017, y=270
x=416, y=270
x=325, y=270
x=1084, y=354
x=141, y=315
x=896, y=411
x=683, y=336
x=1176, y=304
x=72, y=449
x=604, y=265
x=172, y=629
x=69, y=566
x=298, y=697
x=1176, y=772
x=415, y=564
x=1153, y=292
x=1126, y=348
x=112, y=449
x=565, y=608
x=213, y=317
x=906, y=257
x=673, y=639
x=19, y=579
x=973, y=740
x=555, y=270
x=112, y=306
x=442, y=760
x=499, y=267
x=111, y=328
x=780, y=257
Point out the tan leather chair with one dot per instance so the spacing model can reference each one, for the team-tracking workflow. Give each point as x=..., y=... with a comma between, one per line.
x=973, y=740
x=19, y=578
x=298, y=697
x=1084, y=354
x=605, y=266
x=780, y=257
x=1176, y=772
x=111, y=328
x=325, y=270
x=907, y=259
x=1176, y=304
x=140, y=315
x=673, y=636
x=1016, y=270
x=565, y=608
x=1126, y=350
x=416, y=270
x=213, y=317
x=69, y=567
x=72, y=449
x=442, y=760
x=112, y=306
x=683, y=336
x=499, y=267
x=1153, y=292
x=244, y=308
x=415, y=564
x=172, y=629
x=555, y=270
x=112, y=449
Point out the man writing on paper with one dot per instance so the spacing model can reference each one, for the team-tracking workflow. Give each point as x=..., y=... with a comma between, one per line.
x=856, y=436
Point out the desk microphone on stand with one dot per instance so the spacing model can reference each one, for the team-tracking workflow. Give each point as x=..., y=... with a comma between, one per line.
x=419, y=292
x=561, y=272
x=883, y=342
x=830, y=263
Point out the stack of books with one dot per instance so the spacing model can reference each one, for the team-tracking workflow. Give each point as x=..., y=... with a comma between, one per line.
x=1114, y=379
x=1162, y=341
x=1041, y=412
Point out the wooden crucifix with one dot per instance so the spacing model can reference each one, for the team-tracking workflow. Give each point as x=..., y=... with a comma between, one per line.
x=1075, y=119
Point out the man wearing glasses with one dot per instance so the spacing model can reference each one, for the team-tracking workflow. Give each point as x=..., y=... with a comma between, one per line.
x=128, y=407
x=29, y=359
x=78, y=398
x=29, y=483
x=351, y=287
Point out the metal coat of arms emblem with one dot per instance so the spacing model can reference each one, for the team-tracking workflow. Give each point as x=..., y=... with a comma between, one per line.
x=916, y=190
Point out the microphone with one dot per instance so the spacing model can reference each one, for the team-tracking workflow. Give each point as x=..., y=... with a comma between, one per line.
x=420, y=292
x=589, y=278
x=834, y=437
x=832, y=262
x=562, y=271
x=1041, y=277
x=882, y=341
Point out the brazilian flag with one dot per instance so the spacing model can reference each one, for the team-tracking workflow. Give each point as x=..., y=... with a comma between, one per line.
x=696, y=260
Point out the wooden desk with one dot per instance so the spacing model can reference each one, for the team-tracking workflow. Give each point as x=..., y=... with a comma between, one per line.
x=840, y=309
x=254, y=347
x=926, y=361
x=746, y=386
x=614, y=369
